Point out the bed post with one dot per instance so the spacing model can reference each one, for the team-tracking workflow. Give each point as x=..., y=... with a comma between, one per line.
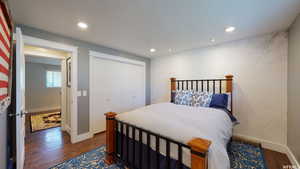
x=173, y=89
x=110, y=137
x=199, y=149
x=229, y=83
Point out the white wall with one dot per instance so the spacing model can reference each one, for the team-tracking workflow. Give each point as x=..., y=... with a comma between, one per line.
x=38, y=97
x=259, y=66
x=294, y=89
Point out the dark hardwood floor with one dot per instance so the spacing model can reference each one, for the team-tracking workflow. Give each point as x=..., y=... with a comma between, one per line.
x=47, y=148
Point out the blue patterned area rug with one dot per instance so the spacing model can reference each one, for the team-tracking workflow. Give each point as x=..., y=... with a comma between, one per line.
x=90, y=160
x=242, y=156
x=246, y=156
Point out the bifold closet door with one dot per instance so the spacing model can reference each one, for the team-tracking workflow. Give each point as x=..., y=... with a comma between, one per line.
x=115, y=86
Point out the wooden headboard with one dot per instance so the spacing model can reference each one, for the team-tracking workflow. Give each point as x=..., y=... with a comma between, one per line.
x=209, y=85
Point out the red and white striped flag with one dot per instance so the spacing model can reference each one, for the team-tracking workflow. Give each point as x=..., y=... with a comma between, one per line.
x=5, y=38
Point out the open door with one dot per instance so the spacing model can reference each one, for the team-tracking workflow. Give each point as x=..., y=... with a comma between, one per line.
x=63, y=96
x=20, y=100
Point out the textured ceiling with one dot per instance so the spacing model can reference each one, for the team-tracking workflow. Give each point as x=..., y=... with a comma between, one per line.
x=137, y=25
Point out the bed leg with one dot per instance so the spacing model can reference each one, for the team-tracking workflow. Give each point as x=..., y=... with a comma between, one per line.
x=199, y=149
x=110, y=137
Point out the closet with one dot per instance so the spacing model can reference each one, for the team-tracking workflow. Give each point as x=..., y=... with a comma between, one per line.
x=116, y=84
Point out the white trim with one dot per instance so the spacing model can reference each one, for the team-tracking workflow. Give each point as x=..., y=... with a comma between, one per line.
x=29, y=40
x=82, y=137
x=36, y=110
x=93, y=55
x=63, y=95
x=90, y=93
x=74, y=103
x=66, y=128
x=41, y=54
x=265, y=143
x=116, y=58
x=273, y=146
x=292, y=157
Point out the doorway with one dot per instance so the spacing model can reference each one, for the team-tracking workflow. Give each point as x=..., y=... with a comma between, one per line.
x=20, y=80
x=47, y=101
x=71, y=128
x=46, y=92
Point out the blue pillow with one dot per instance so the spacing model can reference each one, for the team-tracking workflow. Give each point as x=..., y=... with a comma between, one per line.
x=219, y=101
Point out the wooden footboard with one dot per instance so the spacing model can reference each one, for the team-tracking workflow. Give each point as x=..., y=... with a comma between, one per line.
x=199, y=147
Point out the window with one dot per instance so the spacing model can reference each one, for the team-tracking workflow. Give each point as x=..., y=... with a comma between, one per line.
x=53, y=79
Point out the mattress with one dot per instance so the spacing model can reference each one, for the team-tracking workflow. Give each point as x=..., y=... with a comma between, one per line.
x=183, y=123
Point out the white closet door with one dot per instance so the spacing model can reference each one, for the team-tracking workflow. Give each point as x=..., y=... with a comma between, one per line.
x=115, y=86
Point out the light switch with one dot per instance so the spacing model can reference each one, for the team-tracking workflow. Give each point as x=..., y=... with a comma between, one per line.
x=79, y=93
x=84, y=93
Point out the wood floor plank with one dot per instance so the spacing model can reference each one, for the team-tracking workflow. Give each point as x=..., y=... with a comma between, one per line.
x=49, y=147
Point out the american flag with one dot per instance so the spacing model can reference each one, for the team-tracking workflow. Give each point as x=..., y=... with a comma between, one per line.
x=5, y=39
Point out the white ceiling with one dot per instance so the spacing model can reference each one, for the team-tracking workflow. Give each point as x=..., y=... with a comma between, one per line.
x=137, y=25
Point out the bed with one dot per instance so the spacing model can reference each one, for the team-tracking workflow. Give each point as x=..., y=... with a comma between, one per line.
x=172, y=136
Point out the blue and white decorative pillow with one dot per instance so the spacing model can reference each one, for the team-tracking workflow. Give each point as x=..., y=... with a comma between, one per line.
x=184, y=97
x=201, y=99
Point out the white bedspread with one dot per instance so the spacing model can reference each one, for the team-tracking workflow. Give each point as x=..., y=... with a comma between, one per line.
x=182, y=123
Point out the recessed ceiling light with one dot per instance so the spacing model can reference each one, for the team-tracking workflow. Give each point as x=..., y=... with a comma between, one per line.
x=82, y=25
x=230, y=29
x=152, y=50
x=212, y=40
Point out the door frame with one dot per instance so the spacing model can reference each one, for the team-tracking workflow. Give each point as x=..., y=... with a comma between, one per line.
x=29, y=40
x=94, y=55
x=63, y=97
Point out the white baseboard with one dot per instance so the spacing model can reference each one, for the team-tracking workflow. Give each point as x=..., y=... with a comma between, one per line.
x=43, y=109
x=265, y=143
x=292, y=157
x=273, y=146
x=66, y=128
x=81, y=137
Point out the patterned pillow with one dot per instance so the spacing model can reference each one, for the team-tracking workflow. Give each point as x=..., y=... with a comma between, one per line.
x=201, y=99
x=184, y=97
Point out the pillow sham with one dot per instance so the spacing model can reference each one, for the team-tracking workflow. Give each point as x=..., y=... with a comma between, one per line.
x=219, y=101
x=201, y=99
x=183, y=97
